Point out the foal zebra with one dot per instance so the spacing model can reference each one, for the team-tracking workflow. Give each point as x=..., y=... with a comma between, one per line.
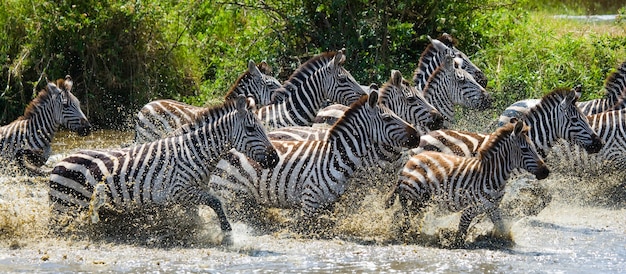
x=553, y=117
x=54, y=106
x=320, y=79
x=311, y=175
x=167, y=171
x=474, y=185
x=433, y=56
x=404, y=100
x=159, y=118
x=615, y=86
x=449, y=85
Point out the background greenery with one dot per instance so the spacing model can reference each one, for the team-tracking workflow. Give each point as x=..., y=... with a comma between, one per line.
x=122, y=55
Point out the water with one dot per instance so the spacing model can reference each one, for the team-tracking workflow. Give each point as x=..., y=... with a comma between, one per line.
x=572, y=222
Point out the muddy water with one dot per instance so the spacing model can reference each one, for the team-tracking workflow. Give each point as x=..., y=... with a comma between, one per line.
x=572, y=222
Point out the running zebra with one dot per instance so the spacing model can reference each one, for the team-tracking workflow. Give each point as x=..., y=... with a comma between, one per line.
x=474, y=185
x=433, y=56
x=55, y=105
x=312, y=175
x=553, y=117
x=167, y=171
x=449, y=85
x=615, y=92
x=403, y=99
x=320, y=79
x=159, y=118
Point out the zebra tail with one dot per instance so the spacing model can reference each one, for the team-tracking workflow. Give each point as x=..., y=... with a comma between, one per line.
x=25, y=159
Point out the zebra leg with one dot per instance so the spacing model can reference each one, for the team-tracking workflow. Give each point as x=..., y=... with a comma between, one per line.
x=499, y=229
x=466, y=219
x=193, y=195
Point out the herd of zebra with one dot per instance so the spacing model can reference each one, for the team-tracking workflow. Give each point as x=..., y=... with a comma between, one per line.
x=296, y=144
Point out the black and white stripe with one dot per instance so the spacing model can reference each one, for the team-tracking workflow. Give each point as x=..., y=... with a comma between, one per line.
x=313, y=174
x=474, y=185
x=433, y=56
x=308, y=89
x=449, y=85
x=167, y=171
x=615, y=91
x=159, y=118
x=53, y=107
x=403, y=99
x=553, y=117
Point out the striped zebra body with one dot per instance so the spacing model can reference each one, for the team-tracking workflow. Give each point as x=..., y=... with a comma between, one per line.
x=474, y=185
x=308, y=89
x=313, y=174
x=553, y=117
x=403, y=99
x=449, y=85
x=53, y=107
x=453, y=142
x=615, y=93
x=159, y=118
x=433, y=56
x=611, y=127
x=167, y=171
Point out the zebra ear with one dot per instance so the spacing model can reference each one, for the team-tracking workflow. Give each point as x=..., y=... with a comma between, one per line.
x=68, y=83
x=396, y=78
x=340, y=57
x=254, y=71
x=519, y=127
x=439, y=46
x=264, y=67
x=52, y=88
x=372, y=100
x=242, y=103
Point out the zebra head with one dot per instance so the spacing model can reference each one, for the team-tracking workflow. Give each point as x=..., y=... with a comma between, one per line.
x=271, y=82
x=254, y=84
x=72, y=117
x=525, y=148
x=461, y=59
x=450, y=85
x=249, y=135
x=403, y=99
x=384, y=126
x=339, y=85
x=574, y=125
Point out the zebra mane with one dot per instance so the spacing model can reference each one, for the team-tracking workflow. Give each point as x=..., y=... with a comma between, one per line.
x=231, y=94
x=615, y=85
x=213, y=111
x=498, y=137
x=306, y=70
x=42, y=97
x=354, y=107
x=448, y=40
x=556, y=93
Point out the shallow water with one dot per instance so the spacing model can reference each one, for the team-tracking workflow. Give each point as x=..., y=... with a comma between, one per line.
x=576, y=223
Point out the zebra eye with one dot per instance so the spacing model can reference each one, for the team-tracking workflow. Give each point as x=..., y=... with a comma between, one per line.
x=250, y=128
x=342, y=78
x=574, y=119
x=387, y=118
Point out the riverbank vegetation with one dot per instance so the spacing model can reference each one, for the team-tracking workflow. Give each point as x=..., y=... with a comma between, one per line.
x=122, y=55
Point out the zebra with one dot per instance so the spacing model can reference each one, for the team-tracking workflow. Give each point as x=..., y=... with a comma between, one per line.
x=611, y=127
x=403, y=99
x=164, y=172
x=159, y=118
x=54, y=106
x=554, y=116
x=312, y=175
x=474, y=185
x=432, y=57
x=615, y=91
x=449, y=85
x=320, y=79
